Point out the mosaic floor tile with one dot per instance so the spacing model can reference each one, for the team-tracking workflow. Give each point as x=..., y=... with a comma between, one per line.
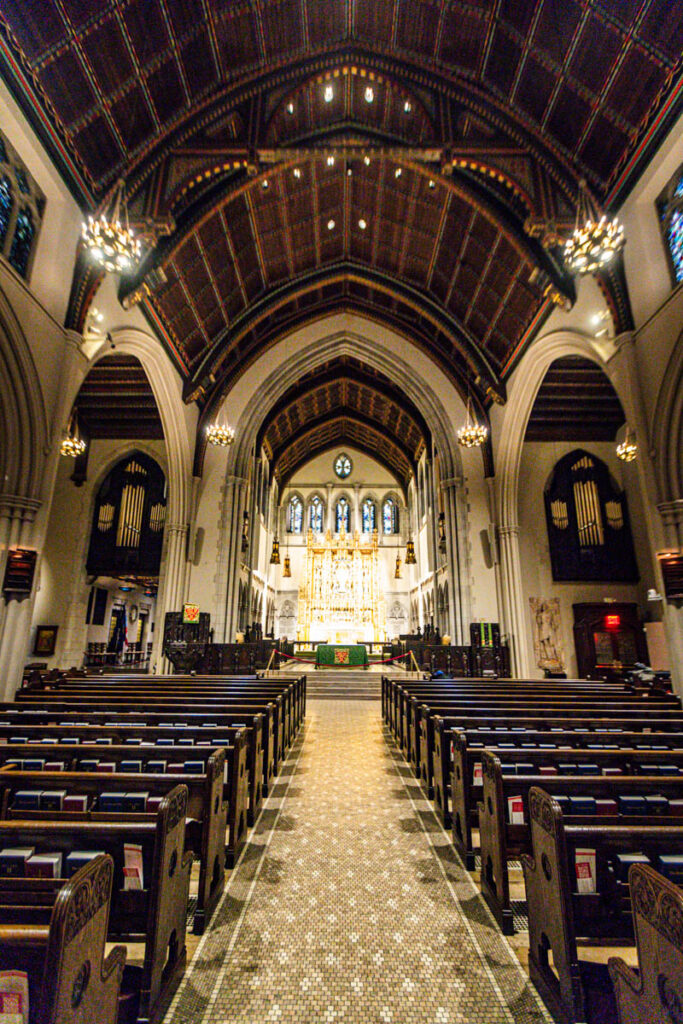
x=349, y=904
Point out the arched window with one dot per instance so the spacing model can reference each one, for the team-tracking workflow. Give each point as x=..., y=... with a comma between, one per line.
x=6, y=204
x=369, y=515
x=588, y=527
x=22, y=243
x=316, y=511
x=343, y=515
x=295, y=515
x=128, y=525
x=390, y=516
x=670, y=207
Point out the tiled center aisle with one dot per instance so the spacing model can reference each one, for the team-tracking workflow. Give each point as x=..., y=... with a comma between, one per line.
x=349, y=904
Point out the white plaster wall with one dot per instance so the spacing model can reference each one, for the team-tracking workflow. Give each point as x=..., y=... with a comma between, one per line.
x=538, y=462
x=50, y=279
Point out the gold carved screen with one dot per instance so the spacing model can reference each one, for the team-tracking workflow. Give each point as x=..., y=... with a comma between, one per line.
x=341, y=598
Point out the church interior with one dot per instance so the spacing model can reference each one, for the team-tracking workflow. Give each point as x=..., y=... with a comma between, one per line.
x=341, y=434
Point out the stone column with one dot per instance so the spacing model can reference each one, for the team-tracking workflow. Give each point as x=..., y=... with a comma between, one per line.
x=513, y=599
x=17, y=517
x=671, y=515
x=230, y=556
x=172, y=592
x=356, y=522
x=329, y=512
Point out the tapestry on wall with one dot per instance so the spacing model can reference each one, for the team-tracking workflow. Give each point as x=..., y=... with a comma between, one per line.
x=546, y=625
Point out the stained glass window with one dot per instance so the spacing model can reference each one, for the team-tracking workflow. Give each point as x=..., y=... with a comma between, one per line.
x=5, y=208
x=390, y=516
x=369, y=510
x=22, y=242
x=343, y=516
x=22, y=182
x=670, y=208
x=676, y=242
x=342, y=466
x=295, y=515
x=315, y=515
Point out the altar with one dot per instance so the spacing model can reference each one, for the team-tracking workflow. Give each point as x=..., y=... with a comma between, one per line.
x=341, y=599
x=341, y=656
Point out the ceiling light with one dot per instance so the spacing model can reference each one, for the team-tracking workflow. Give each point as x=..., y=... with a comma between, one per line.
x=72, y=445
x=369, y=94
x=432, y=183
x=265, y=183
x=595, y=239
x=349, y=172
x=329, y=93
x=628, y=449
x=297, y=172
x=362, y=224
x=330, y=225
x=472, y=434
x=366, y=161
x=290, y=108
x=109, y=239
x=220, y=434
x=407, y=106
x=330, y=161
x=398, y=172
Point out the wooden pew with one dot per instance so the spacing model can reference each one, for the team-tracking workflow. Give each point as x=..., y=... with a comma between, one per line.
x=207, y=813
x=423, y=746
x=466, y=794
x=119, y=728
x=169, y=710
x=79, y=743
x=653, y=992
x=70, y=980
x=559, y=916
x=501, y=841
x=467, y=745
x=155, y=915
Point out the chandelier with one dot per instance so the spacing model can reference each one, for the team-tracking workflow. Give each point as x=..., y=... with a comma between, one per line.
x=410, y=553
x=628, y=449
x=109, y=239
x=595, y=240
x=220, y=434
x=472, y=434
x=442, y=532
x=286, y=568
x=398, y=575
x=275, y=553
x=72, y=445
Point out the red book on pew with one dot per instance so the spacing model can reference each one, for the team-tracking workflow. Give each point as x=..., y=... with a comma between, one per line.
x=547, y=769
x=44, y=865
x=516, y=810
x=605, y=806
x=13, y=997
x=586, y=880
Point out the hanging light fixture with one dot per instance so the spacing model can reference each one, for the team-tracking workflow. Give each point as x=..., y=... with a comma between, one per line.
x=596, y=239
x=275, y=553
x=286, y=569
x=220, y=434
x=472, y=434
x=410, y=553
x=627, y=451
x=109, y=239
x=73, y=444
x=398, y=575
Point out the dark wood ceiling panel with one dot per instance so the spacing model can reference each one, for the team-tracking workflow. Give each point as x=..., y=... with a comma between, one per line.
x=576, y=402
x=622, y=59
x=116, y=401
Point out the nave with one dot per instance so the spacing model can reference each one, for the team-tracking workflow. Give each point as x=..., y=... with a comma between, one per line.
x=349, y=903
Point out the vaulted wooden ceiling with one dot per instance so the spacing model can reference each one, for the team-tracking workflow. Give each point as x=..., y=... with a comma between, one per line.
x=115, y=76
x=344, y=401
x=116, y=401
x=576, y=402
x=410, y=159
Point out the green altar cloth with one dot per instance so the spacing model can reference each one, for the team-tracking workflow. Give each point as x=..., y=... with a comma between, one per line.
x=341, y=655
